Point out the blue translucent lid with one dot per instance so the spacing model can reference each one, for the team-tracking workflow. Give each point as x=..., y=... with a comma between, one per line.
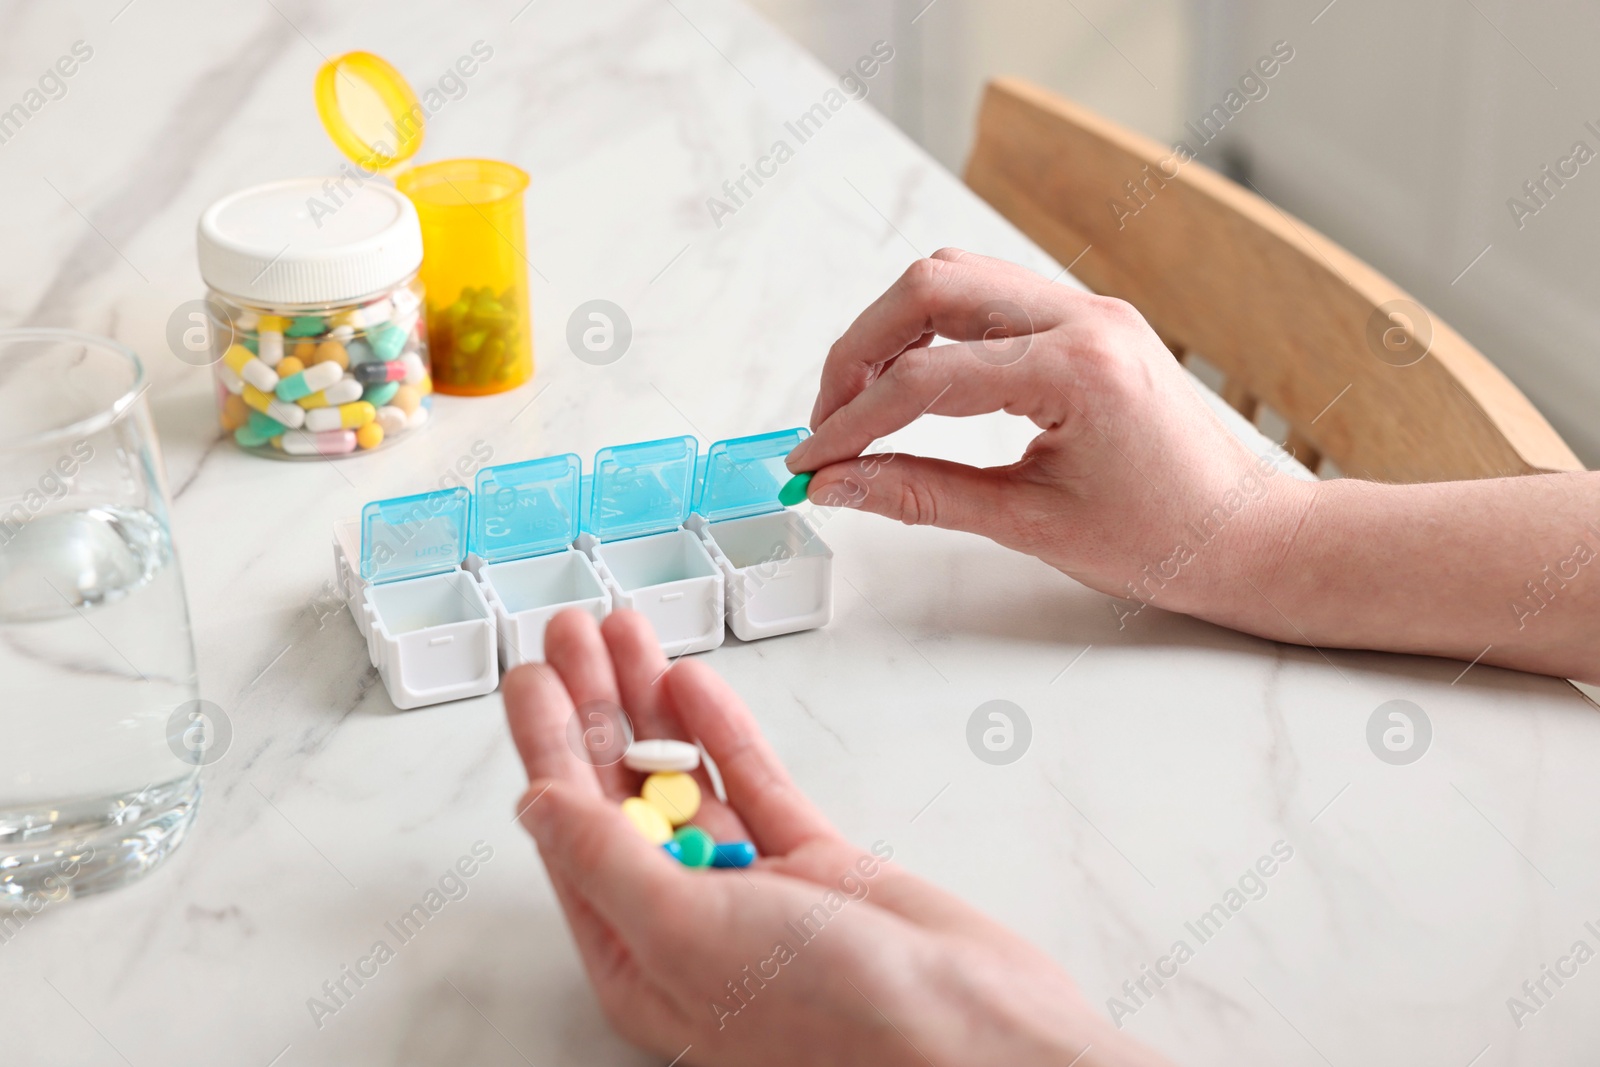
x=526, y=509
x=742, y=476
x=409, y=536
x=641, y=489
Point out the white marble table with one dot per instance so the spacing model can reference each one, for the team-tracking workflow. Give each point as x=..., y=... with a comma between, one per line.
x=1167, y=756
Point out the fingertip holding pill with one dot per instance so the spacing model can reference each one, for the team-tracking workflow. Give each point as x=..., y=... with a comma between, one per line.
x=794, y=490
x=662, y=754
x=675, y=794
x=648, y=820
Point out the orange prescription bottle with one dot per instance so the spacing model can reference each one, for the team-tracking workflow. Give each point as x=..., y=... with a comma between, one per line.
x=475, y=271
x=474, y=263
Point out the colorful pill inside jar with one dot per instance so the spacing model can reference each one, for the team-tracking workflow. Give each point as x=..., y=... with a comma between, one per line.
x=342, y=391
x=330, y=280
x=379, y=372
x=314, y=379
x=379, y=395
x=351, y=416
x=327, y=443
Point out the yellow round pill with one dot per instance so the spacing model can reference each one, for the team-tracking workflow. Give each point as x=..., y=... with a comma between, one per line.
x=370, y=435
x=648, y=820
x=675, y=794
x=406, y=398
x=289, y=366
x=333, y=351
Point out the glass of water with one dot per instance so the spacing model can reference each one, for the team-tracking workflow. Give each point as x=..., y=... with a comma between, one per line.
x=96, y=656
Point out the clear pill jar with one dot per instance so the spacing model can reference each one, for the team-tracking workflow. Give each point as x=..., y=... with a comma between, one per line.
x=320, y=344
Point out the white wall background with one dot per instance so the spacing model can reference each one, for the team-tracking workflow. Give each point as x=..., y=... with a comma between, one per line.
x=1130, y=59
x=1400, y=129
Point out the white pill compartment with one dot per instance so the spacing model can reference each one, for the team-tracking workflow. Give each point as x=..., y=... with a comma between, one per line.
x=525, y=518
x=777, y=570
x=637, y=499
x=696, y=543
x=423, y=603
x=430, y=630
x=658, y=560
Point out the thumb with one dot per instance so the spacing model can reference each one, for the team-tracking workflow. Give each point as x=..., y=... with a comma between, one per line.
x=917, y=491
x=589, y=842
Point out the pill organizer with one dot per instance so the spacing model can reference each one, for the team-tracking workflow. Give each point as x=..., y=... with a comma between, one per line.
x=636, y=501
x=448, y=586
x=525, y=517
x=778, y=573
x=430, y=630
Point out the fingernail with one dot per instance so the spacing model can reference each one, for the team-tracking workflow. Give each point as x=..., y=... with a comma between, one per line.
x=797, y=455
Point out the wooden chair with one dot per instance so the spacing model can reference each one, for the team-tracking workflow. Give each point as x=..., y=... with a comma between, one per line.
x=1360, y=373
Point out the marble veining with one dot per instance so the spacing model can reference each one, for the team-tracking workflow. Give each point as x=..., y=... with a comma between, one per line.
x=1167, y=754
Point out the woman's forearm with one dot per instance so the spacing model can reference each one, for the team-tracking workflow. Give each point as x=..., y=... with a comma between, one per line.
x=1503, y=571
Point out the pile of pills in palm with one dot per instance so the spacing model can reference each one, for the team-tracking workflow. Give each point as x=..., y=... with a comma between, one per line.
x=326, y=385
x=669, y=798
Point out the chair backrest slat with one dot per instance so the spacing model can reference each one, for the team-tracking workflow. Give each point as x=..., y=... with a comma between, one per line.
x=1358, y=370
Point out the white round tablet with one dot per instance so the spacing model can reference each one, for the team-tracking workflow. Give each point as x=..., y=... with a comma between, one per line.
x=662, y=754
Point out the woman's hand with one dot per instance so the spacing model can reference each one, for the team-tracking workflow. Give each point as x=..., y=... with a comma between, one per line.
x=821, y=952
x=1133, y=487
x=1136, y=489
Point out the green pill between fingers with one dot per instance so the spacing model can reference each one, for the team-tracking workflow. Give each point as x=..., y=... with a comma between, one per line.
x=695, y=846
x=794, y=490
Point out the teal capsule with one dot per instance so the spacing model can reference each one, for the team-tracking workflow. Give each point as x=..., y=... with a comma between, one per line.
x=314, y=379
x=794, y=490
x=387, y=340
x=246, y=437
x=733, y=854
x=264, y=426
x=306, y=326
x=294, y=387
x=379, y=395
